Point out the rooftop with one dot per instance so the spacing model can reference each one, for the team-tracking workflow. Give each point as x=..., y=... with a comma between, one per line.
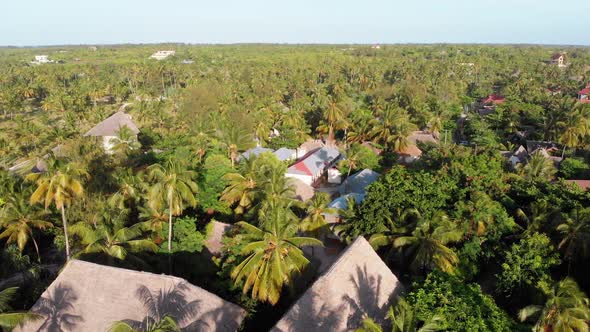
x=111, y=125
x=91, y=297
x=357, y=284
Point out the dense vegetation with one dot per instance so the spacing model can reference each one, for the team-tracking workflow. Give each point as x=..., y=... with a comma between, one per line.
x=480, y=245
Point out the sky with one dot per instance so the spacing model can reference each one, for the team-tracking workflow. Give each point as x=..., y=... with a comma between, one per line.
x=61, y=22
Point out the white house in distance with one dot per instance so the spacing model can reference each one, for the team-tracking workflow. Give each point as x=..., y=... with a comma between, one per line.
x=558, y=59
x=41, y=59
x=109, y=128
x=161, y=55
x=312, y=166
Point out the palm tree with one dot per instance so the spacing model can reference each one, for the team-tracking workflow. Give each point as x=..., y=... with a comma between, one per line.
x=427, y=244
x=355, y=157
x=575, y=234
x=174, y=186
x=333, y=114
x=315, y=222
x=112, y=239
x=540, y=215
x=273, y=257
x=539, y=167
x=392, y=129
x=166, y=324
x=403, y=319
x=60, y=185
x=235, y=139
x=19, y=219
x=566, y=309
x=130, y=189
x=10, y=320
x=242, y=186
x=125, y=142
x=154, y=219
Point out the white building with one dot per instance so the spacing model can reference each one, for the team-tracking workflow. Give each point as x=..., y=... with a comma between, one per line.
x=109, y=128
x=40, y=59
x=161, y=55
x=314, y=165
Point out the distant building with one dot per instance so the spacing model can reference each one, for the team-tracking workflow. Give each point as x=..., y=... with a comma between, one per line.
x=161, y=55
x=313, y=165
x=91, y=297
x=493, y=100
x=41, y=59
x=558, y=59
x=109, y=128
x=285, y=154
x=359, y=181
x=582, y=184
x=187, y=62
x=584, y=94
x=376, y=47
x=92, y=48
x=254, y=152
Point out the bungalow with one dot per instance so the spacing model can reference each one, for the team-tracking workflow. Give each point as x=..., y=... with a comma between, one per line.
x=582, y=184
x=161, y=55
x=357, y=285
x=91, y=297
x=358, y=182
x=285, y=154
x=313, y=165
x=254, y=152
x=41, y=59
x=584, y=94
x=558, y=59
x=341, y=203
x=412, y=152
x=493, y=100
x=109, y=128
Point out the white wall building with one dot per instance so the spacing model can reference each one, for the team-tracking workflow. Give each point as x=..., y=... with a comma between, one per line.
x=109, y=128
x=40, y=59
x=161, y=55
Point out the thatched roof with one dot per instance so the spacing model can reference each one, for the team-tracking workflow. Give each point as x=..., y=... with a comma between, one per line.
x=111, y=125
x=357, y=284
x=303, y=191
x=90, y=297
x=214, y=241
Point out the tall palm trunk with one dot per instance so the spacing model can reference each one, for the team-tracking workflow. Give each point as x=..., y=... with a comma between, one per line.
x=170, y=226
x=65, y=223
x=36, y=248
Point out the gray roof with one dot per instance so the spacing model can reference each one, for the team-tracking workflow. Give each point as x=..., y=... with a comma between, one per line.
x=112, y=125
x=284, y=154
x=254, y=152
x=341, y=203
x=358, y=182
x=357, y=284
x=315, y=161
x=90, y=297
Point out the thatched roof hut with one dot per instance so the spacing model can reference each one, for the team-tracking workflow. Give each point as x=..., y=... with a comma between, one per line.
x=111, y=125
x=90, y=297
x=357, y=284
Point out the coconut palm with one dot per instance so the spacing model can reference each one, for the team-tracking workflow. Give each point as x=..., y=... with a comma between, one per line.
x=112, y=239
x=333, y=114
x=19, y=219
x=427, y=244
x=403, y=319
x=166, y=324
x=539, y=167
x=10, y=320
x=392, y=129
x=272, y=257
x=565, y=309
x=174, y=186
x=242, y=188
x=315, y=222
x=541, y=213
x=130, y=189
x=125, y=142
x=153, y=218
x=235, y=139
x=575, y=234
x=60, y=185
x=355, y=157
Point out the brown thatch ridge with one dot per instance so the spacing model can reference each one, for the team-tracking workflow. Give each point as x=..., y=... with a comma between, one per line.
x=357, y=285
x=90, y=297
x=111, y=125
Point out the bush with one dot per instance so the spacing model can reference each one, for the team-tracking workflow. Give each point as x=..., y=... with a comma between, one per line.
x=574, y=168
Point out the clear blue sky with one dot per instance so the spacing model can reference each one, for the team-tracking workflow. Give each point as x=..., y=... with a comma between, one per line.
x=48, y=22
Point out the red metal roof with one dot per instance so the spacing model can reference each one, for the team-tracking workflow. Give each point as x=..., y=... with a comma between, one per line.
x=583, y=184
x=585, y=91
x=495, y=99
x=300, y=166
